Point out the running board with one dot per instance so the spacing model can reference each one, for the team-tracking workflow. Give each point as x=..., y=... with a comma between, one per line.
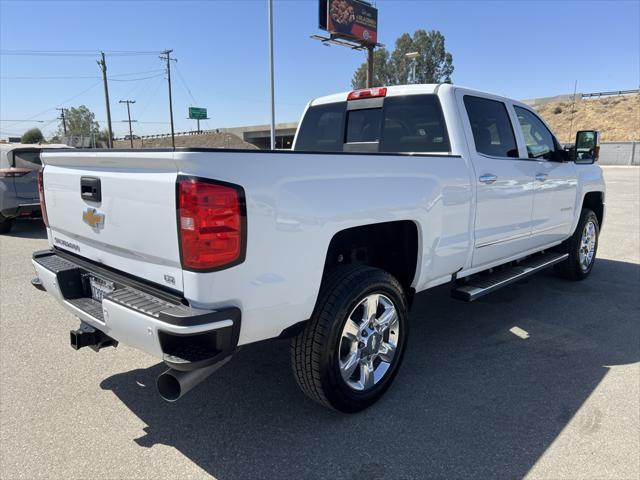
x=481, y=285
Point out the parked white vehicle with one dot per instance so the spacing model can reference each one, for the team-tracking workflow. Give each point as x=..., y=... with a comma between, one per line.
x=189, y=254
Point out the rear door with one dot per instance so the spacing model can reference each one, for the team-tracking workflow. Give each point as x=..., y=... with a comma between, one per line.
x=131, y=222
x=504, y=182
x=555, y=181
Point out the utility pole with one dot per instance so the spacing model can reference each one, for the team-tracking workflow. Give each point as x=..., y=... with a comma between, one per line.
x=103, y=67
x=273, y=104
x=166, y=55
x=129, y=102
x=64, y=123
x=370, y=65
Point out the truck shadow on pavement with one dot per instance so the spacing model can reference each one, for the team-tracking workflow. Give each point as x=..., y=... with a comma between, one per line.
x=472, y=399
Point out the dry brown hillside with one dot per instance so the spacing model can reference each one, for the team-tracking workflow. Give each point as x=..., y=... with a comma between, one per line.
x=618, y=118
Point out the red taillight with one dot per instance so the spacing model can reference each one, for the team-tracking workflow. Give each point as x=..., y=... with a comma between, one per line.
x=211, y=223
x=43, y=205
x=13, y=172
x=368, y=93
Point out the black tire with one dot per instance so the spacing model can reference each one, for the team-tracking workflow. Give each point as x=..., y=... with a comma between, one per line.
x=571, y=268
x=5, y=224
x=315, y=351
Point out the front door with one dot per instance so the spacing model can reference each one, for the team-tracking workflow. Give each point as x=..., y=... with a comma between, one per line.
x=504, y=182
x=555, y=183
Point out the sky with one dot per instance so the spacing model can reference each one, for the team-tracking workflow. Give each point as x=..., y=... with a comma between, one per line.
x=520, y=49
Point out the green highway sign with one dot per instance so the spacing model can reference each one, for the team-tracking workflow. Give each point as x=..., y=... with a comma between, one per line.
x=197, y=113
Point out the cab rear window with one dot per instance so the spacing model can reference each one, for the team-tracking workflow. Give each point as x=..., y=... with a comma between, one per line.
x=411, y=123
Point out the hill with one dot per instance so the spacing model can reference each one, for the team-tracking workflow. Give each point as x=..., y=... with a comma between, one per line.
x=617, y=118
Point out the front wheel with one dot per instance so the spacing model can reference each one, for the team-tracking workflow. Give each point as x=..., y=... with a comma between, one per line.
x=351, y=348
x=581, y=247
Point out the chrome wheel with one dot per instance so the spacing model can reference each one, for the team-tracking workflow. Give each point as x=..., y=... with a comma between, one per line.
x=368, y=342
x=587, y=248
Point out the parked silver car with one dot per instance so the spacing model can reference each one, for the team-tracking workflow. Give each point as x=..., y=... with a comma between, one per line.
x=19, y=165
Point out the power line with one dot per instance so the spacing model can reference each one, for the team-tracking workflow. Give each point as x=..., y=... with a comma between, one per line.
x=78, y=77
x=75, y=53
x=135, y=79
x=184, y=82
x=93, y=85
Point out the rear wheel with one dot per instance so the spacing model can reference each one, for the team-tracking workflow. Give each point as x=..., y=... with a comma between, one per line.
x=581, y=247
x=5, y=224
x=350, y=351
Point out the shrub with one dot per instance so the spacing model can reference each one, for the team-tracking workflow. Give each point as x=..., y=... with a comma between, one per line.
x=33, y=135
x=557, y=110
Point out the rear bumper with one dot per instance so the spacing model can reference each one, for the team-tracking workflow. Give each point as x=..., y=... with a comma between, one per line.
x=185, y=338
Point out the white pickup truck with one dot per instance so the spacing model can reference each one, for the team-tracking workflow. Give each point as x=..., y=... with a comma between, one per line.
x=188, y=254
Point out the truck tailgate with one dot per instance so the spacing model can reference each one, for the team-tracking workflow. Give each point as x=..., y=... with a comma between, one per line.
x=132, y=227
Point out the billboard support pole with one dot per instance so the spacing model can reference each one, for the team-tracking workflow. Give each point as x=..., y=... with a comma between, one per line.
x=273, y=108
x=370, y=65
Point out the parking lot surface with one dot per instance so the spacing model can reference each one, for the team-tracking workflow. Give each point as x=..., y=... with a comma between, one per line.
x=472, y=400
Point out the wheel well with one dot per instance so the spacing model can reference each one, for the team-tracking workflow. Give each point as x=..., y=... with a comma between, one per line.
x=595, y=202
x=390, y=246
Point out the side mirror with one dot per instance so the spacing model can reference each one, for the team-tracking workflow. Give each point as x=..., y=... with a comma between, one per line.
x=587, y=149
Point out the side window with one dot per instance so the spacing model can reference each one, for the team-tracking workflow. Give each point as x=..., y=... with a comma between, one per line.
x=321, y=128
x=492, y=131
x=27, y=159
x=539, y=140
x=414, y=123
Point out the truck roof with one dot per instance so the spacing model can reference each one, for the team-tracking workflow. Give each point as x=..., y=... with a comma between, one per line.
x=397, y=90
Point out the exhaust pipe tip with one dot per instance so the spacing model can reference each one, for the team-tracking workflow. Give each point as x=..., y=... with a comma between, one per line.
x=169, y=386
x=174, y=384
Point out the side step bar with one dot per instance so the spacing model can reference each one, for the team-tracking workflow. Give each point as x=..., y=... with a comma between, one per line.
x=481, y=285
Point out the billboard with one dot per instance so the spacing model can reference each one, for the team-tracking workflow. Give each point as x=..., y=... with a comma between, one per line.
x=351, y=19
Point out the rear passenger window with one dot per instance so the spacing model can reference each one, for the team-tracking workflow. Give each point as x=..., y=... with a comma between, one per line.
x=414, y=123
x=492, y=130
x=27, y=159
x=321, y=129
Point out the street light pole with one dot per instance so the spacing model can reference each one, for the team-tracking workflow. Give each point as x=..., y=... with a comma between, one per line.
x=273, y=104
x=413, y=57
x=129, y=102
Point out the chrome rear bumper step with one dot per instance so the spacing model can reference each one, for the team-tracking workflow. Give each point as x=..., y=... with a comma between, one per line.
x=482, y=284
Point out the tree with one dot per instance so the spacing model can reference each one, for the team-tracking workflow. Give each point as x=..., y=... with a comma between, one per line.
x=33, y=135
x=433, y=65
x=80, y=121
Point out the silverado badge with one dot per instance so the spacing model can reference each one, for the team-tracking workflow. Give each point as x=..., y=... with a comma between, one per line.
x=92, y=218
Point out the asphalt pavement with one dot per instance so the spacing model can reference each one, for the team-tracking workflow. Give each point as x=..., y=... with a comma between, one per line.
x=539, y=380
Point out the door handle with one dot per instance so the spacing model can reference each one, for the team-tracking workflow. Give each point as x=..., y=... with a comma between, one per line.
x=488, y=178
x=541, y=177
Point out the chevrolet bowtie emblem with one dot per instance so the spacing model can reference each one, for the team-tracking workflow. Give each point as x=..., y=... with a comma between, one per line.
x=92, y=218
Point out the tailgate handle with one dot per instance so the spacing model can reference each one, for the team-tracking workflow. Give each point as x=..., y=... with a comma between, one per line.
x=90, y=189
